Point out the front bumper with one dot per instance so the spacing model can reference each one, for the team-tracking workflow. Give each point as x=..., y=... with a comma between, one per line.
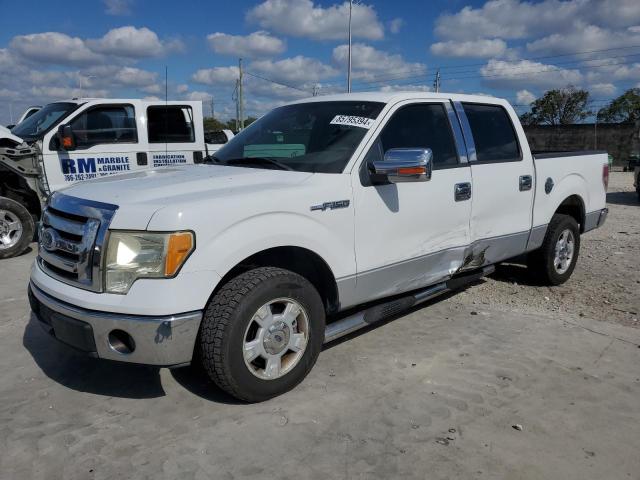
x=156, y=340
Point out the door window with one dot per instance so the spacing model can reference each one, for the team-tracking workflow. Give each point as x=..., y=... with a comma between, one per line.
x=105, y=124
x=420, y=126
x=493, y=133
x=170, y=124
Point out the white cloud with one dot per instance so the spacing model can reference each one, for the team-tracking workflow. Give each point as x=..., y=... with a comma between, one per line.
x=182, y=88
x=406, y=88
x=117, y=7
x=58, y=93
x=54, y=48
x=396, y=25
x=151, y=98
x=368, y=62
x=503, y=74
x=512, y=19
x=155, y=89
x=196, y=95
x=297, y=69
x=581, y=38
x=128, y=42
x=525, y=97
x=302, y=18
x=216, y=76
x=255, y=45
x=602, y=89
x=483, y=48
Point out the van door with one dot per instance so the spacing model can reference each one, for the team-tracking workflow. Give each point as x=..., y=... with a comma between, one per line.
x=106, y=143
x=173, y=138
x=410, y=235
x=503, y=182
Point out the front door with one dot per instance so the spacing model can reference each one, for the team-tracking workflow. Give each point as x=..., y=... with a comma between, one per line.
x=410, y=235
x=106, y=143
x=172, y=135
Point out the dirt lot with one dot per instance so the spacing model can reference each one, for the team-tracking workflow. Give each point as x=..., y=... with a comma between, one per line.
x=433, y=394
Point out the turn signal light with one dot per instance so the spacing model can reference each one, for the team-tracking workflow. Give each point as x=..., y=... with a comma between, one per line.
x=179, y=247
x=412, y=171
x=605, y=177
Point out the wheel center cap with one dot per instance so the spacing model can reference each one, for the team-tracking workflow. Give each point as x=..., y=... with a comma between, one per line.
x=276, y=338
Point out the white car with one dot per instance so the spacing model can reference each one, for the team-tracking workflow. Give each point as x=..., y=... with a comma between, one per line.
x=372, y=202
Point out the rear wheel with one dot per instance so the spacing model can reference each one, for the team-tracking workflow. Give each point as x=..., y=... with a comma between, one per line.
x=261, y=333
x=554, y=261
x=16, y=228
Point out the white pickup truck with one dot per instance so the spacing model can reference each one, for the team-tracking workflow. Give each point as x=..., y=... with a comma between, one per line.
x=366, y=202
x=103, y=137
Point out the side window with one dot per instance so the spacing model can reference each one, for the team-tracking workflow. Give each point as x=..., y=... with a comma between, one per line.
x=422, y=126
x=170, y=124
x=105, y=124
x=493, y=133
x=215, y=137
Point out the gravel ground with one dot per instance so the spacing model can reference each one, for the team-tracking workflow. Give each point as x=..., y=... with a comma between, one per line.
x=606, y=282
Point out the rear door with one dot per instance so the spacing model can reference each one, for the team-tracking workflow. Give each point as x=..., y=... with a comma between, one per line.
x=409, y=235
x=503, y=177
x=173, y=134
x=107, y=143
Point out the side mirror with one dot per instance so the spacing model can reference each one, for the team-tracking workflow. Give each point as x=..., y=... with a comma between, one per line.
x=66, y=139
x=405, y=165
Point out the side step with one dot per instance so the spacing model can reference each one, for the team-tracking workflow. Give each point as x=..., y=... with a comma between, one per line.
x=377, y=313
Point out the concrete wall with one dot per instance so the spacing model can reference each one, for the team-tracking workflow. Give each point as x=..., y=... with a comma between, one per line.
x=618, y=139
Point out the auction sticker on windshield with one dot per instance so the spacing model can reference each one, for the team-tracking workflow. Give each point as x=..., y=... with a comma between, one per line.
x=353, y=121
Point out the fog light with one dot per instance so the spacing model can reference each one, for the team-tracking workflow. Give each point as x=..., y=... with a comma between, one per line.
x=121, y=342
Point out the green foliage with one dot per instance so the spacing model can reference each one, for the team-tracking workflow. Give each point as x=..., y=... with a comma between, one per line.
x=212, y=124
x=558, y=107
x=625, y=108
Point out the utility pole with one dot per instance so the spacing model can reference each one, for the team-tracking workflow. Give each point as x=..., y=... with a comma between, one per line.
x=349, y=61
x=436, y=82
x=240, y=96
x=212, y=111
x=235, y=98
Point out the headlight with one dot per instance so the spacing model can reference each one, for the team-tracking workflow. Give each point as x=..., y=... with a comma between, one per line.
x=133, y=255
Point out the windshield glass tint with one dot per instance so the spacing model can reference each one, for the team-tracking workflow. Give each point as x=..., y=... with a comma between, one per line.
x=40, y=122
x=307, y=137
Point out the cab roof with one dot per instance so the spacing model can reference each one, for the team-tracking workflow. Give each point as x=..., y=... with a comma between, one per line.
x=394, y=97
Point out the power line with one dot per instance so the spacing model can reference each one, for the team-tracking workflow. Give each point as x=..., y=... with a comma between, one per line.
x=276, y=82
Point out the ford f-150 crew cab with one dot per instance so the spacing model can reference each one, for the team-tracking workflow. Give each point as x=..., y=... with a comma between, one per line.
x=81, y=139
x=366, y=202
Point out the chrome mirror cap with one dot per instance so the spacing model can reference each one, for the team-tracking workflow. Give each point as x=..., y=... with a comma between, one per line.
x=405, y=165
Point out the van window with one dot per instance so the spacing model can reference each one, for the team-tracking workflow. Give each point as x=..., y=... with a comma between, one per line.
x=170, y=124
x=493, y=133
x=105, y=124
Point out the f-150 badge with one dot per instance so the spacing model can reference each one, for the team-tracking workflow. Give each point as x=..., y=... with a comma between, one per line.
x=331, y=205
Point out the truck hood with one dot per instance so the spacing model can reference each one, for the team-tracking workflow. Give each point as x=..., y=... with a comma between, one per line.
x=9, y=139
x=140, y=194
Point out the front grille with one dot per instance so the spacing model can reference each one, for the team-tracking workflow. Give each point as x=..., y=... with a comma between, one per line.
x=71, y=240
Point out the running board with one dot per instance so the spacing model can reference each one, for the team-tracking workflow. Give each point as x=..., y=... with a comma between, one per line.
x=382, y=311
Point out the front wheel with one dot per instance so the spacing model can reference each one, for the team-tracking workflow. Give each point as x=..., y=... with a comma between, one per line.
x=16, y=228
x=261, y=333
x=554, y=261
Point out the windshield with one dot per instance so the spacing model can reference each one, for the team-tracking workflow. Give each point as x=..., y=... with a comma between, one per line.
x=306, y=137
x=41, y=122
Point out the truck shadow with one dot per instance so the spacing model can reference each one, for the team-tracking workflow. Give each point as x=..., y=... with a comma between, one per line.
x=195, y=379
x=623, y=198
x=78, y=372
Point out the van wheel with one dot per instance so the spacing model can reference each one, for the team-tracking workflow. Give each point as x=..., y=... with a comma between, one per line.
x=16, y=228
x=554, y=261
x=261, y=333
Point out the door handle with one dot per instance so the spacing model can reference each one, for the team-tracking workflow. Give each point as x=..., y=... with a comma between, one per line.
x=462, y=191
x=525, y=182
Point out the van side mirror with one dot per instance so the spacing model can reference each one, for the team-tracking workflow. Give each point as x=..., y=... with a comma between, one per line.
x=66, y=139
x=405, y=165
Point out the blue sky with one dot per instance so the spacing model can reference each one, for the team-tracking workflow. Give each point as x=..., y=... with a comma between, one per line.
x=119, y=48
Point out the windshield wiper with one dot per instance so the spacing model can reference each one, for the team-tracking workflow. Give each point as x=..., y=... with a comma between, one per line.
x=258, y=160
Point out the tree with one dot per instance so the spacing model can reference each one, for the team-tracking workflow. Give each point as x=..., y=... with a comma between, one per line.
x=211, y=123
x=559, y=107
x=625, y=108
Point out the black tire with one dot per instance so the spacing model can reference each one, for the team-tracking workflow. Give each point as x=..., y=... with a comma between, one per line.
x=541, y=262
x=19, y=212
x=229, y=313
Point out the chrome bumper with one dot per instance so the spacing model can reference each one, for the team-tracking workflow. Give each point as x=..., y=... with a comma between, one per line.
x=161, y=341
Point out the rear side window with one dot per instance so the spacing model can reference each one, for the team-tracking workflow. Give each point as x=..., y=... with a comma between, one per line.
x=215, y=137
x=170, y=124
x=422, y=126
x=493, y=133
x=105, y=124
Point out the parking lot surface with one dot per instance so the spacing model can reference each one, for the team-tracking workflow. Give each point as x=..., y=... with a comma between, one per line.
x=504, y=380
